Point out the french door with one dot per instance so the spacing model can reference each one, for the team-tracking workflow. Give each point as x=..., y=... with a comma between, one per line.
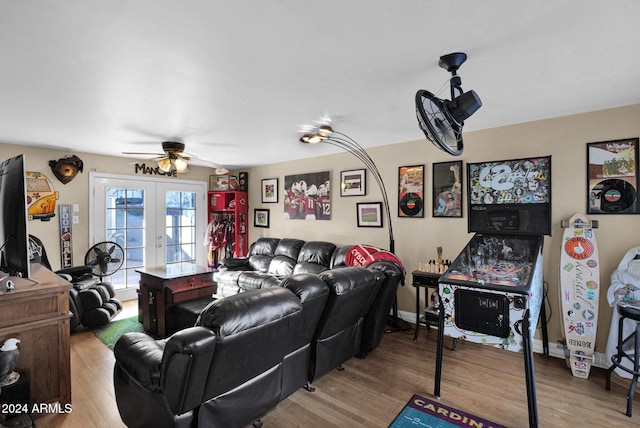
x=156, y=222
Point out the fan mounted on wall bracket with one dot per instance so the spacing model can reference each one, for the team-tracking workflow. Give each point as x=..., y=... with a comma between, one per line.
x=175, y=158
x=104, y=258
x=442, y=120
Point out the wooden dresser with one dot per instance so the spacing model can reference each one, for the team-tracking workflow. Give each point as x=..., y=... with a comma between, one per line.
x=37, y=314
x=163, y=286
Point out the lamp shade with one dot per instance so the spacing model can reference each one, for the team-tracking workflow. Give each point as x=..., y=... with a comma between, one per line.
x=164, y=164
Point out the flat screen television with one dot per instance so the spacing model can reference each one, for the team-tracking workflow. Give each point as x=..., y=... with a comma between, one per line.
x=510, y=196
x=14, y=234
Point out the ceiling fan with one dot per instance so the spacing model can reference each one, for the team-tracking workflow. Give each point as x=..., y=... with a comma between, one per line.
x=175, y=158
x=442, y=120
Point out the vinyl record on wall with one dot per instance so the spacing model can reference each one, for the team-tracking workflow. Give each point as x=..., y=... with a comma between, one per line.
x=411, y=204
x=615, y=195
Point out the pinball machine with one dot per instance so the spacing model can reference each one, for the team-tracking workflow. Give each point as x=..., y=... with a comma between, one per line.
x=493, y=291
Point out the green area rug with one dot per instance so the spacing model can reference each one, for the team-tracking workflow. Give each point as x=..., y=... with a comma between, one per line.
x=422, y=412
x=110, y=333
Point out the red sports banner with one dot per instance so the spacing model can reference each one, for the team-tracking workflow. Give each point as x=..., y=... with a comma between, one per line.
x=364, y=255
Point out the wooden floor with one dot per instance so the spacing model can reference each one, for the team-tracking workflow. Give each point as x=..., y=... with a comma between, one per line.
x=370, y=392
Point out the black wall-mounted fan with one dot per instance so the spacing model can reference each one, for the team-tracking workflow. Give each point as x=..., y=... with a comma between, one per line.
x=442, y=120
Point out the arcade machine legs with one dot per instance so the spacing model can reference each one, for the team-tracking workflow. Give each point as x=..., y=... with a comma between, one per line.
x=528, y=367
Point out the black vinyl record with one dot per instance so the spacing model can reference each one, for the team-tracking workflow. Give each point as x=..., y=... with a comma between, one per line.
x=616, y=196
x=411, y=204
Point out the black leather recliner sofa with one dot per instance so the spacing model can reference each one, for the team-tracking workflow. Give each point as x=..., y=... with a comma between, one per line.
x=246, y=352
x=270, y=260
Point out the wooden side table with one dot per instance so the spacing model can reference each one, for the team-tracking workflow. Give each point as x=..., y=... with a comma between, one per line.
x=163, y=286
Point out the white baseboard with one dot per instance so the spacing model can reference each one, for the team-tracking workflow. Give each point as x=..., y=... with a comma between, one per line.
x=555, y=349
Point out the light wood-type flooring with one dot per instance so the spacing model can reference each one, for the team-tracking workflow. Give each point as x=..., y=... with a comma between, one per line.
x=370, y=392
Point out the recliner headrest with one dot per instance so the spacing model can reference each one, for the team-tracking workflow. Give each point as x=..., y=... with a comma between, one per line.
x=246, y=310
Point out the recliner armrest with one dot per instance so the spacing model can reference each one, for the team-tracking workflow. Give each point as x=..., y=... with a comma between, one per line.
x=140, y=356
x=240, y=263
x=185, y=367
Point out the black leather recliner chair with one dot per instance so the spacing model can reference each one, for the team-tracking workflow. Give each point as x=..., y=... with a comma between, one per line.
x=227, y=371
x=92, y=303
x=338, y=336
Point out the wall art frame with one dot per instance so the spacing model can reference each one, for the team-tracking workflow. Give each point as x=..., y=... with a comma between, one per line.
x=612, y=177
x=353, y=182
x=219, y=182
x=369, y=214
x=411, y=191
x=269, y=190
x=260, y=217
x=447, y=189
x=307, y=196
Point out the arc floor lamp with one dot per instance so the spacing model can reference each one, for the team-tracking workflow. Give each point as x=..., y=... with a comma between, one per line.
x=326, y=134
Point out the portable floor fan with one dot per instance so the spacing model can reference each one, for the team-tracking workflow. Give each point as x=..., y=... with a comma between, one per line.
x=105, y=258
x=442, y=120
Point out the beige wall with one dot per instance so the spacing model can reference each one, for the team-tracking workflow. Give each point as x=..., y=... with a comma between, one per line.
x=77, y=192
x=416, y=239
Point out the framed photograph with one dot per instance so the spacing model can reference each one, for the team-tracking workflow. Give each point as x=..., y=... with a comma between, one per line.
x=612, y=177
x=269, y=190
x=219, y=182
x=307, y=196
x=411, y=191
x=447, y=189
x=353, y=182
x=261, y=217
x=369, y=214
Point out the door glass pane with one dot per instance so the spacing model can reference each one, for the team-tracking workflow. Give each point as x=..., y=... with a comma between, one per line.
x=125, y=226
x=180, y=227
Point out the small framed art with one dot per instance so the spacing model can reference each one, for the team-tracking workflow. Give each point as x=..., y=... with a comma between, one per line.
x=369, y=214
x=447, y=189
x=269, y=190
x=261, y=217
x=353, y=182
x=612, y=177
x=411, y=191
x=219, y=182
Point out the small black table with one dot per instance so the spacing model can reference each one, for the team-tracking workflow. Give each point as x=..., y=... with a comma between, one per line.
x=426, y=280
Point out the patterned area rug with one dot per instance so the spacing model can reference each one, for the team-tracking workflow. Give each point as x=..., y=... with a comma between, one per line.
x=422, y=412
x=110, y=333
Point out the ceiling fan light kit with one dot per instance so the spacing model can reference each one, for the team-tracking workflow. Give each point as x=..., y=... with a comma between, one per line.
x=442, y=120
x=174, y=158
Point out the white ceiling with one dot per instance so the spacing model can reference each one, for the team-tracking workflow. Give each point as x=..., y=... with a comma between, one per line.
x=235, y=80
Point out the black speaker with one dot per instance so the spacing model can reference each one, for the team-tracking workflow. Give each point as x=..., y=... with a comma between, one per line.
x=243, y=180
x=486, y=313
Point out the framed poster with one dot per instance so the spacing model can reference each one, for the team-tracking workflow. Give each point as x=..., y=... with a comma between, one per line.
x=219, y=182
x=447, y=189
x=269, y=190
x=411, y=191
x=307, y=196
x=369, y=214
x=612, y=177
x=261, y=217
x=353, y=183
